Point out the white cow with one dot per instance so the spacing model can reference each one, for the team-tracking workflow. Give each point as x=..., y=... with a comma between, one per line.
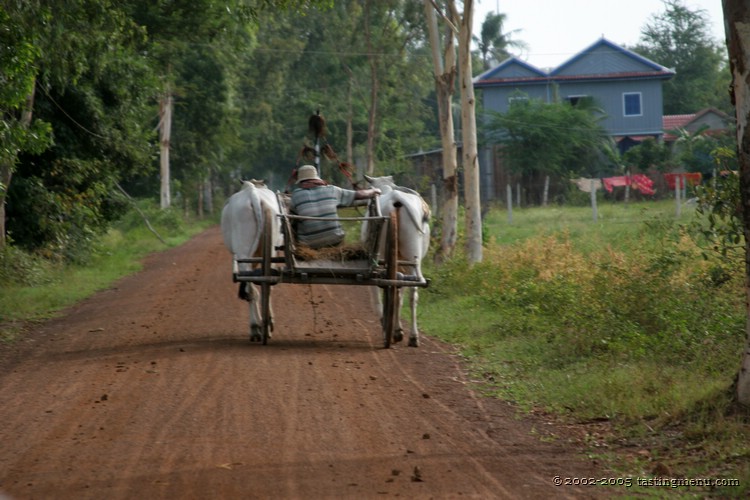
x=242, y=226
x=413, y=238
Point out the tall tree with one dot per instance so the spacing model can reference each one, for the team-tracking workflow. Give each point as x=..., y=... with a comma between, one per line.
x=18, y=65
x=89, y=81
x=680, y=39
x=444, y=65
x=736, y=20
x=493, y=42
x=555, y=139
x=470, y=153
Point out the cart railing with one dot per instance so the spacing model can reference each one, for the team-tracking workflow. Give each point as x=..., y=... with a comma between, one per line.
x=367, y=271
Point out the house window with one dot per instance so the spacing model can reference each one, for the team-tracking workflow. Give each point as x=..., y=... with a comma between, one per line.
x=632, y=104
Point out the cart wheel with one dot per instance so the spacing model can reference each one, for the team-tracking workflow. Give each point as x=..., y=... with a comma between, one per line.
x=265, y=287
x=390, y=292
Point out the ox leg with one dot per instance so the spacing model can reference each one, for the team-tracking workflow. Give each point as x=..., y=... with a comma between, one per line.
x=413, y=301
x=255, y=322
x=414, y=334
x=398, y=332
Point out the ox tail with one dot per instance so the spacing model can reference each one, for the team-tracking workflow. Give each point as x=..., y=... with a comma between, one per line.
x=413, y=210
x=257, y=206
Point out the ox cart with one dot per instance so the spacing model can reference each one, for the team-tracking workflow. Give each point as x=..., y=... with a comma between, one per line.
x=374, y=264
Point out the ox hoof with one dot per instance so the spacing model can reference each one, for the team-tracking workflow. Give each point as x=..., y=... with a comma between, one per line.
x=413, y=342
x=398, y=336
x=255, y=335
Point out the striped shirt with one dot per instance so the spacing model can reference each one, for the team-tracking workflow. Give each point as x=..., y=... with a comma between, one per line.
x=320, y=201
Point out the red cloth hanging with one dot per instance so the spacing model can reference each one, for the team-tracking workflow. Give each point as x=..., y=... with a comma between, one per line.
x=689, y=178
x=640, y=182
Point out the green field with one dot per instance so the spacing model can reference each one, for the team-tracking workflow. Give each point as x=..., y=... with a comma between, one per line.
x=626, y=321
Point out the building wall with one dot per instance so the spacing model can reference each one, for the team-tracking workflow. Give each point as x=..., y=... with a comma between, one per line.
x=608, y=94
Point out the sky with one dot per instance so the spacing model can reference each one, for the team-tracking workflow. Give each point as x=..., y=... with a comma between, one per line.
x=556, y=30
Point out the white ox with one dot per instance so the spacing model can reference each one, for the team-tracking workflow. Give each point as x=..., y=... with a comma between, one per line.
x=242, y=227
x=413, y=238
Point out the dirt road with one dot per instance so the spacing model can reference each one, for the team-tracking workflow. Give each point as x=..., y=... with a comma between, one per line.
x=151, y=389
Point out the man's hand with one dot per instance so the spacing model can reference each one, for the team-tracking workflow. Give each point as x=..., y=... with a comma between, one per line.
x=366, y=193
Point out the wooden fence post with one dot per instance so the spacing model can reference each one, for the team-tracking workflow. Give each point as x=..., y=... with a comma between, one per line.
x=509, y=191
x=593, y=200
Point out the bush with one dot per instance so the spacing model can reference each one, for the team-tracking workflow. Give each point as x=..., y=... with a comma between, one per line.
x=18, y=267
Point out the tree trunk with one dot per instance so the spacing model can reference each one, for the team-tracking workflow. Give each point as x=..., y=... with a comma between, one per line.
x=374, y=84
x=208, y=195
x=201, y=189
x=7, y=166
x=737, y=27
x=6, y=173
x=445, y=78
x=165, y=128
x=350, y=121
x=469, y=134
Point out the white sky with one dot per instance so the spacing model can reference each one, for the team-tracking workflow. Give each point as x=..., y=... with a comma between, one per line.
x=556, y=30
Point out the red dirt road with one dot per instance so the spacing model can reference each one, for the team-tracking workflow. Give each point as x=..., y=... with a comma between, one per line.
x=152, y=389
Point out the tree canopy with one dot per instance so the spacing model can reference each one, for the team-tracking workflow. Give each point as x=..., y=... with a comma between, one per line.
x=555, y=139
x=83, y=78
x=679, y=38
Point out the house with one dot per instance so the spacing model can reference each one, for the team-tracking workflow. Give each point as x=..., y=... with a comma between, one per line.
x=625, y=85
x=709, y=120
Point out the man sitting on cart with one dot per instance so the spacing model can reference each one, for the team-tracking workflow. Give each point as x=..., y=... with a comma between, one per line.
x=314, y=197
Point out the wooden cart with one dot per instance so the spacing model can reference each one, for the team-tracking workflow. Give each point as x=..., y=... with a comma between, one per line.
x=284, y=265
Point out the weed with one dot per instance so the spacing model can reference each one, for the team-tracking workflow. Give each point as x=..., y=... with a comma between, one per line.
x=626, y=321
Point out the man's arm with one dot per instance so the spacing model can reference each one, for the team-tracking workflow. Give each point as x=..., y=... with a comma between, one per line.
x=363, y=194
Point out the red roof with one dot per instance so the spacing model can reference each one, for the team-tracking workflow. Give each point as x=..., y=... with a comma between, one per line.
x=672, y=122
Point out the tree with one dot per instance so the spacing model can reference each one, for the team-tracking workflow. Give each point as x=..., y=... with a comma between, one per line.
x=364, y=94
x=695, y=150
x=469, y=149
x=18, y=58
x=93, y=101
x=679, y=39
x=737, y=18
x=557, y=139
x=493, y=43
x=647, y=155
x=444, y=64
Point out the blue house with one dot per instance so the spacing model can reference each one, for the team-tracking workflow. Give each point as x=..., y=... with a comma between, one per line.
x=625, y=85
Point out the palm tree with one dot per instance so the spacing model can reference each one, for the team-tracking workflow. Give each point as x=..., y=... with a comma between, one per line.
x=493, y=43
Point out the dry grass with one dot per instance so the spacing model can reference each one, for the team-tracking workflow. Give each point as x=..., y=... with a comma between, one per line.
x=340, y=253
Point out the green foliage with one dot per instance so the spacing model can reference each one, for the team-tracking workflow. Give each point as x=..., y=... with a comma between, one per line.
x=169, y=220
x=555, y=139
x=704, y=153
x=245, y=76
x=493, y=43
x=720, y=223
x=679, y=39
x=35, y=286
x=647, y=155
x=22, y=268
x=623, y=320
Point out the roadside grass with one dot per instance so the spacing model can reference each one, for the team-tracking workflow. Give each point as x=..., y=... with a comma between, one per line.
x=621, y=323
x=34, y=289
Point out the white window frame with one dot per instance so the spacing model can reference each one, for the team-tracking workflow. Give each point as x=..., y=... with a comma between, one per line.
x=624, y=104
